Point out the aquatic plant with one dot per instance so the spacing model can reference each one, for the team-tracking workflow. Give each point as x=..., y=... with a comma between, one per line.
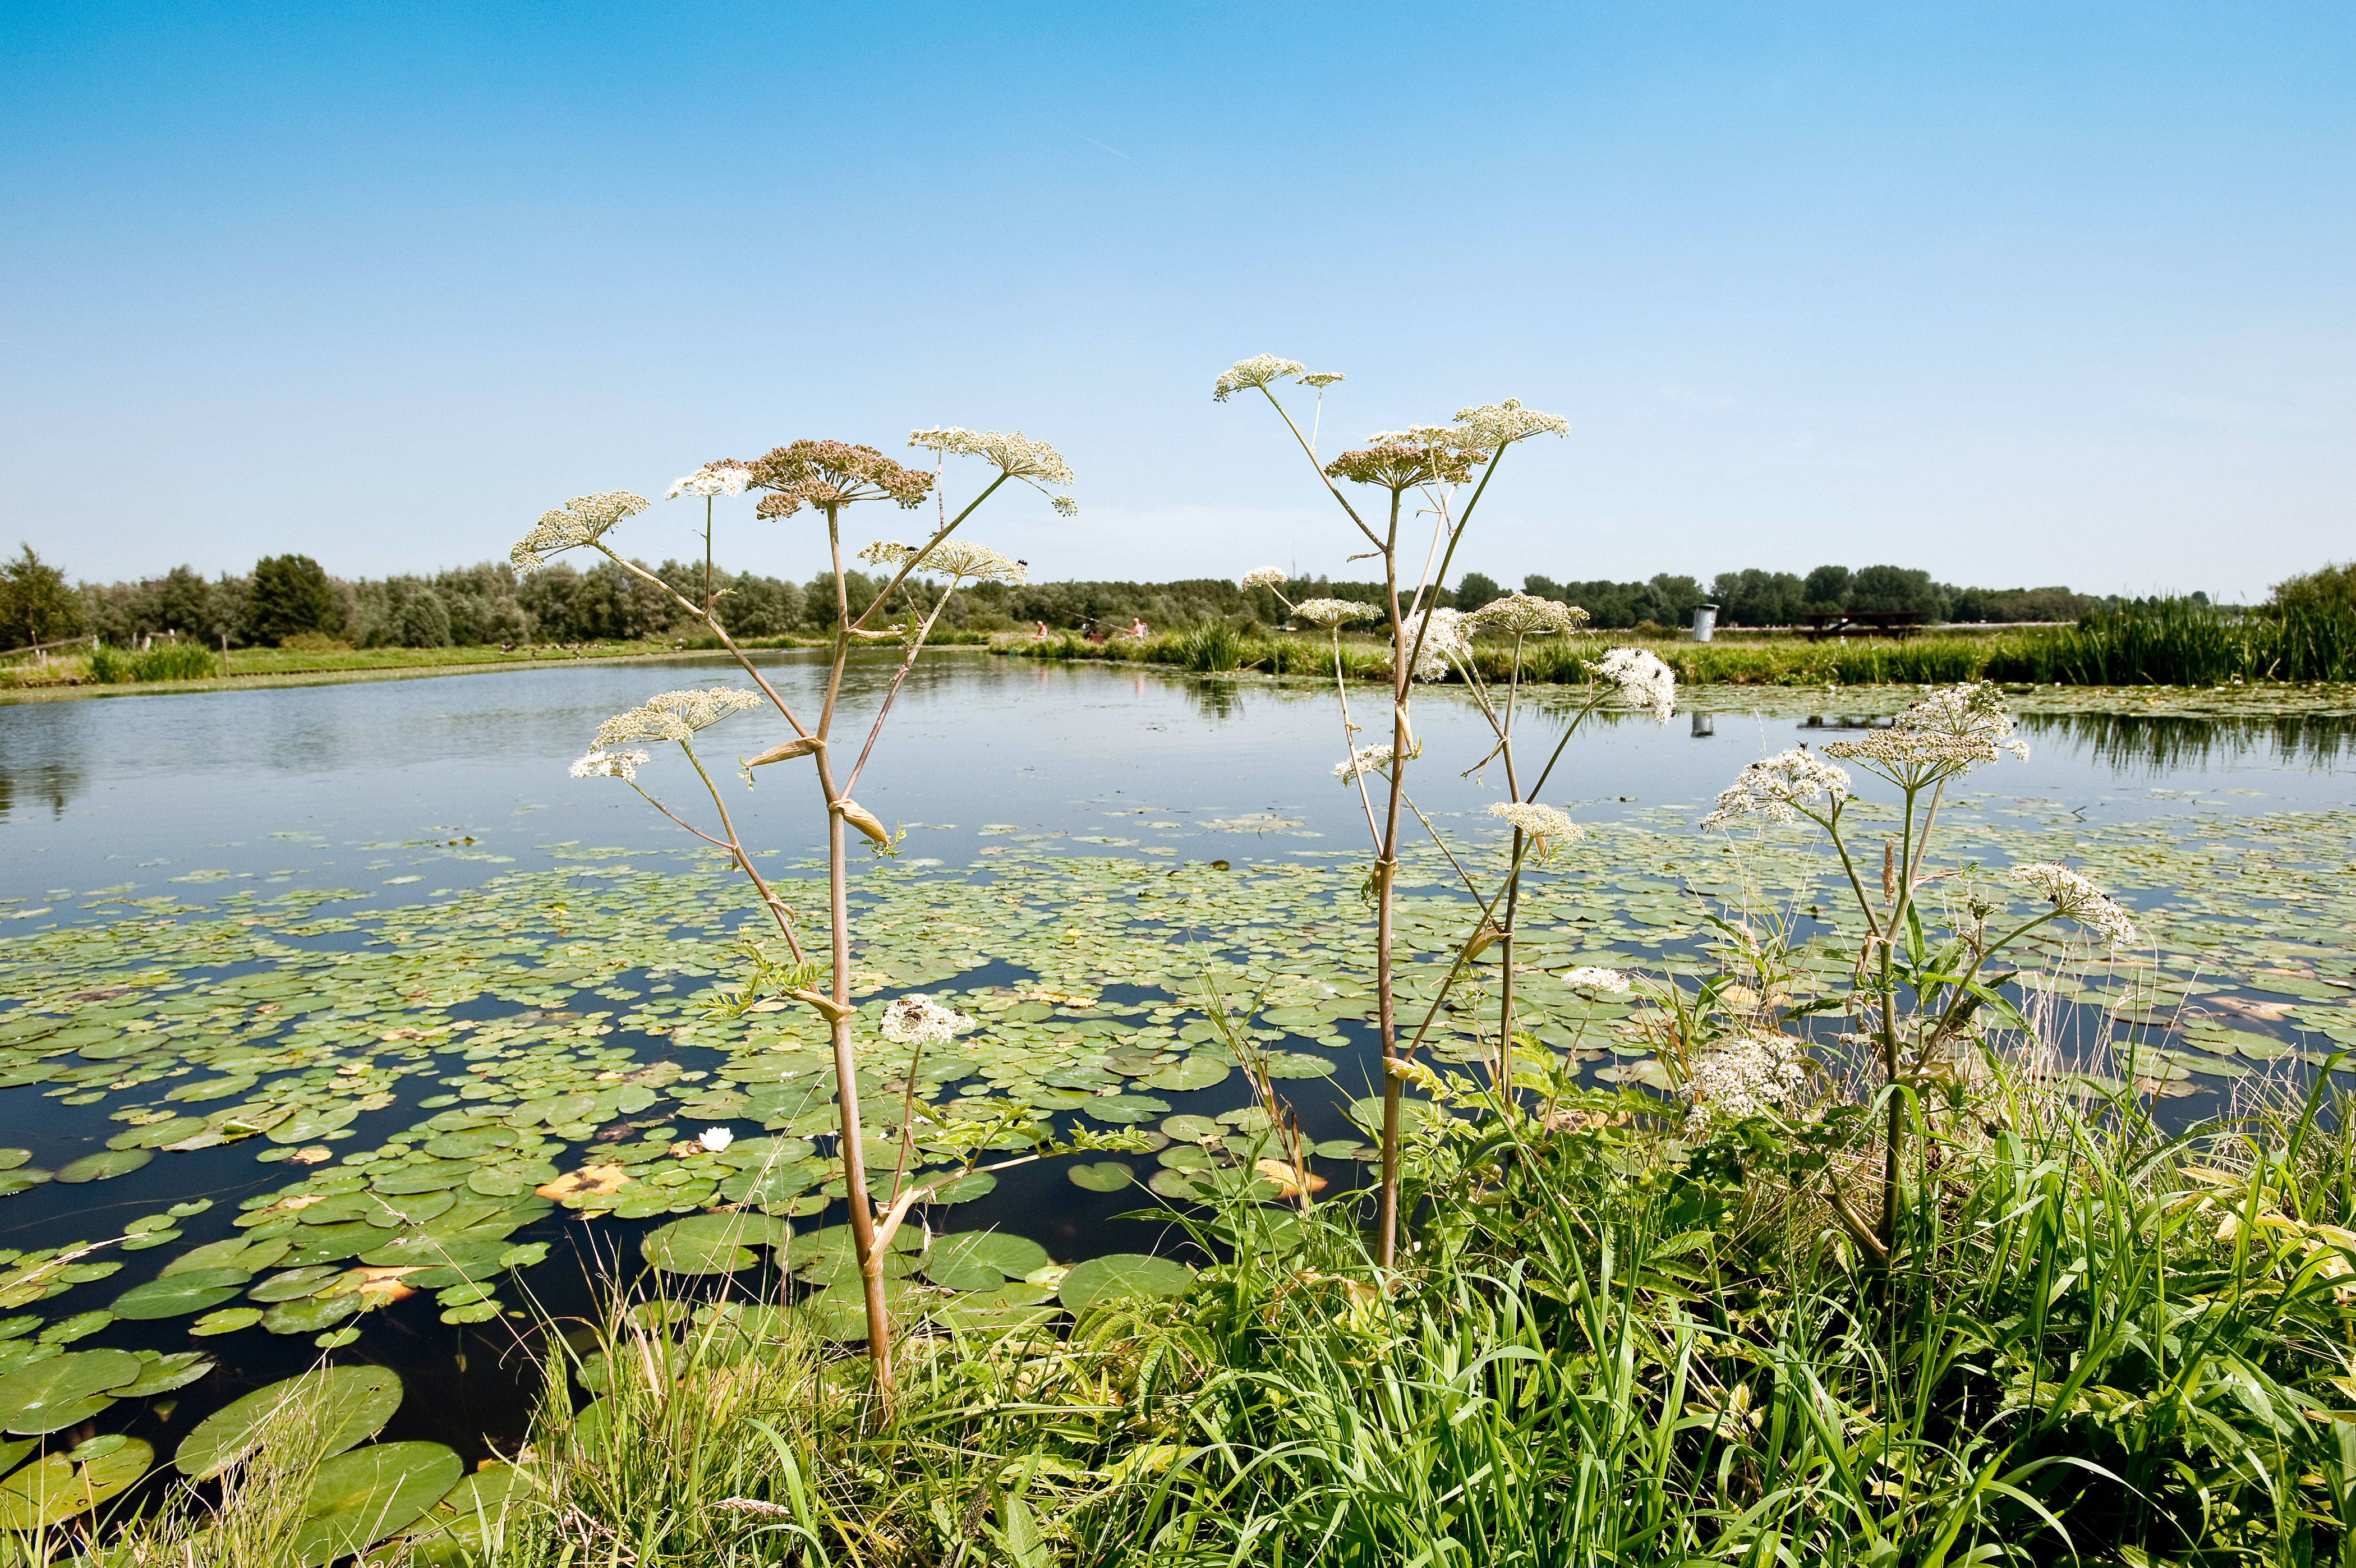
x=826, y=477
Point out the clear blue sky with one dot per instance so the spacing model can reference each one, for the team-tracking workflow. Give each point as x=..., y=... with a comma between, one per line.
x=2023, y=293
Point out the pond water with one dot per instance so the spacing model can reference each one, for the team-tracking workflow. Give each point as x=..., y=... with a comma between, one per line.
x=363, y=961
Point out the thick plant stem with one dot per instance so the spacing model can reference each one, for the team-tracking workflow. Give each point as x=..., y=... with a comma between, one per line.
x=1386, y=1214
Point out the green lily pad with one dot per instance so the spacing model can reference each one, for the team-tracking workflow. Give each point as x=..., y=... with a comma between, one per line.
x=311, y=1314
x=710, y=1243
x=1119, y=1276
x=336, y=1408
x=11, y=1158
x=965, y=1189
x=1187, y=1074
x=171, y=1296
x=1180, y=1185
x=1190, y=1129
x=228, y=1320
x=24, y=1180
x=166, y=1373
x=986, y=1257
x=1294, y=1065
x=294, y=1283
x=54, y=1489
x=455, y=1531
x=370, y=1495
x=105, y=1165
x=1126, y=1108
x=439, y=1177
x=1104, y=1176
x=63, y=1390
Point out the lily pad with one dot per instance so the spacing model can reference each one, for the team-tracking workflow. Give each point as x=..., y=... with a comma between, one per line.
x=368, y=1494
x=63, y=1390
x=1119, y=1276
x=1104, y=1176
x=53, y=1489
x=311, y=1314
x=294, y=1283
x=105, y=1165
x=166, y=1373
x=336, y=1408
x=710, y=1243
x=984, y=1258
x=228, y=1320
x=1187, y=1074
x=172, y=1296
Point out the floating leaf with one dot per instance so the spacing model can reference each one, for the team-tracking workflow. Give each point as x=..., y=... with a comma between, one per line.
x=295, y=1283
x=710, y=1243
x=334, y=1408
x=171, y=1296
x=1188, y=1074
x=1123, y=1276
x=368, y=1494
x=105, y=1165
x=1104, y=1176
x=63, y=1390
x=54, y=1489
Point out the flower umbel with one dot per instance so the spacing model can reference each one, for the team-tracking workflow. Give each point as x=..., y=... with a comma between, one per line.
x=1643, y=680
x=1952, y=729
x=674, y=715
x=1256, y=371
x=1744, y=1075
x=1265, y=577
x=1014, y=453
x=1495, y=425
x=1445, y=637
x=1401, y=459
x=1547, y=827
x=722, y=477
x=1527, y=615
x=830, y=475
x=1331, y=612
x=1776, y=787
x=1370, y=759
x=1596, y=979
x=918, y=1019
x=955, y=558
x=584, y=519
x=2080, y=899
x=610, y=764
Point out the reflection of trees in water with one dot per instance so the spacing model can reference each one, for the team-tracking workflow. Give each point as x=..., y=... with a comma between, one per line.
x=55, y=783
x=1217, y=699
x=2175, y=740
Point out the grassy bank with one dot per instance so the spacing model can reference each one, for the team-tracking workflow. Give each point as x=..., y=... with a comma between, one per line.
x=1616, y=1343
x=2172, y=643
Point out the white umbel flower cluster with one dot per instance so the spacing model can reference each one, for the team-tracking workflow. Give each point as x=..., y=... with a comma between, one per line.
x=1446, y=638
x=2081, y=900
x=1256, y=371
x=1495, y=425
x=1321, y=380
x=1743, y=1075
x=1643, y=680
x=1954, y=728
x=918, y=1019
x=711, y=479
x=956, y=558
x=1265, y=577
x=1776, y=787
x=1596, y=978
x=1018, y=455
x=1527, y=615
x=1542, y=824
x=675, y=715
x=584, y=519
x=603, y=764
x=1370, y=760
x=1332, y=612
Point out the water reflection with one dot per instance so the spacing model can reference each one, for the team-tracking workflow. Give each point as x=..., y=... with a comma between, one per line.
x=2160, y=742
x=54, y=782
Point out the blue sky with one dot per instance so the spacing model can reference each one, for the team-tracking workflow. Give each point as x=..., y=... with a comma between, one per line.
x=2023, y=293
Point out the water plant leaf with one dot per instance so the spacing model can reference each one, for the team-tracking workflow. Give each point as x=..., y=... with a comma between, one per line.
x=336, y=1408
x=105, y=1165
x=54, y=1488
x=228, y=1320
x=295, y=1283
x=171, y=1296
x=1188, y=1074
x=1104, y=1176
x=710, y=1243
x=63, y=1390
x=1123, y=1276
x=368, y=1494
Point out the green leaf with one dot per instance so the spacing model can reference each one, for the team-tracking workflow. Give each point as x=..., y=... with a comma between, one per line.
x=1187, y=1074
x=53, y=1489
x=1123, y=1276
x=333, y=1409
x=710, y=1243
x=1106, y=1176
x=64, y=1390
x=370, y=1495
x=105, y=1165
x=171, y=1296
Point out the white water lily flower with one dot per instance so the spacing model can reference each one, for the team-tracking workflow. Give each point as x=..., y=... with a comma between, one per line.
x=1256, y=371
x=714, y=1138
x=727, y=477
x=675, y=715
x=1954, y=728
x=584, y=519
x=960, y=558
x=1527, y=615
x=1643, y=680
x=918, y=1019
x=1776, y=787
x=1596, y=978
x=1494, y=425
x=1265, y=577
x=1549, y=827
x=1744, y=1075
x=1332, y=612
x=609, y=765
x=1446, y=639
x=2081, y=900
x=1016, y=453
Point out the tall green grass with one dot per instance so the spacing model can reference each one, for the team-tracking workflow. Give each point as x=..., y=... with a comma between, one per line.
x=164, y=661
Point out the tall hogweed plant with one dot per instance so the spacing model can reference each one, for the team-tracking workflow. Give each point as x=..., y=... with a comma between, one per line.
x=1422, y=487
x=1923, y=987
x=824, y=480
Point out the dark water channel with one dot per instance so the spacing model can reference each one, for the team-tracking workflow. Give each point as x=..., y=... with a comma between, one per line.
x=423, y=791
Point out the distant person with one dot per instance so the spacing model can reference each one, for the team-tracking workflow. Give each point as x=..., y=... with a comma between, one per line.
x=1039, y=635
x=1136, y=628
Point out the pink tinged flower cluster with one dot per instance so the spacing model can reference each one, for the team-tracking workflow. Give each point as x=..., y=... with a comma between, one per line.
x=584, y=519
x=830, y=475
x=1644, y=681
x=2079, y=899
x=1777, y=787
x=674, y=715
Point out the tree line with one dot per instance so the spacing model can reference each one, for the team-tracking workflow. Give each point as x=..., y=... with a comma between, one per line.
x=292, y=598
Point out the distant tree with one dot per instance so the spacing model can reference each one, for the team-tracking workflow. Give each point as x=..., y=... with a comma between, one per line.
x=291, y=595
x=2054, y=604
x=1826, y=588
x=1897, y=588
x=37, y=605
x=425, y=620
x=2322, y=588
x=1474, y=589
x=1754, y=597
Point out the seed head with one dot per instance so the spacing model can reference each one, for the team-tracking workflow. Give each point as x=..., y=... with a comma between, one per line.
x=831, y=474
x=675, y=715
x=1321, y=380
x=584, y=519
